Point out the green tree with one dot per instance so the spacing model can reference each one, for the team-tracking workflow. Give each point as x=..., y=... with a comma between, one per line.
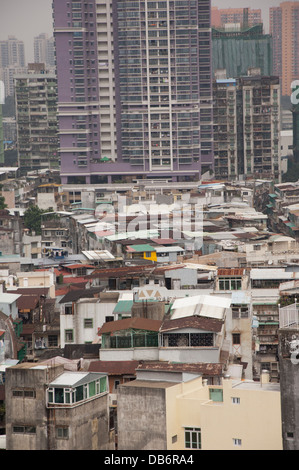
x=32, y=219
x=2, y=203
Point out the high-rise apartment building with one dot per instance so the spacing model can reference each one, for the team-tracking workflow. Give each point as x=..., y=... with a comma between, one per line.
x=222, y=16
x=247, y=126
x=225, y=128
x=261, y=126
x=134, y=89
x=7, y=76
x=284, y=28
x=36, y=117
x=1, y=138
x=237, y=49
x=12, y=60
x=44, y=50
x=12, y=52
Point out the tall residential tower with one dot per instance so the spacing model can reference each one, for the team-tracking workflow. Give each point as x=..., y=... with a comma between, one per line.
x=284, y=28
x=134, y=89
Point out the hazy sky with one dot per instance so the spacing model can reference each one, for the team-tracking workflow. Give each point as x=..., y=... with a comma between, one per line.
x=26, y=19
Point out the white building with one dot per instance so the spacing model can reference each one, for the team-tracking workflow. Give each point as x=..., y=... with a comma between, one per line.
x=80, y=320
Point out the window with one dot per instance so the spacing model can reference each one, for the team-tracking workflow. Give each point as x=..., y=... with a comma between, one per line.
x=216, y=394
x=70, y=396
x=230, y=283
x=236, y=338
x=52, y=341
x=192, y=438
x=62, y=432
x=69, y=336
x=68, y=309
x=236, y=400
x=29, y=393
x=88, y=323
x=24, y=429
x=237, y=442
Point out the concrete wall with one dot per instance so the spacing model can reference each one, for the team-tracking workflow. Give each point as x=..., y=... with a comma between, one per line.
x=27, y=411
x=187, y=277
x=184, y=355
x=289, y=380
x=141, y=417
x=88, y=422
x=88, y=426
x=191, y=354
x=136, y=354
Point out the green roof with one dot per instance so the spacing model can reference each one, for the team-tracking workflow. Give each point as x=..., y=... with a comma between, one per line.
x=144, y=247
x=123, y=306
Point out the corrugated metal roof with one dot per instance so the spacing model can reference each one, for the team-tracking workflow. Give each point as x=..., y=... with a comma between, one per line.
x=114, y=367
x=27, y=302
x=141, y=248
x=199, y=323
x=74, y=379
x=199, y=367
x=123, y=306
x=8, y=298
x=231, y=272
x=212, y=306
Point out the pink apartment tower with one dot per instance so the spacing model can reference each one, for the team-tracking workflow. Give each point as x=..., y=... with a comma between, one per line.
x=284, y=28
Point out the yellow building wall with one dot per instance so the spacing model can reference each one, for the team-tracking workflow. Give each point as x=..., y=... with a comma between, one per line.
x=183, y=410
x=153, y=256
x=256, y=420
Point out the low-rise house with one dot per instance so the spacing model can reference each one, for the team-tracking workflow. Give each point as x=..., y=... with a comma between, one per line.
x=168, y=254
x=278, y=250
x=191, y=330
x=49, y=408
x=231, y=279
x=39, y=278
x=118, y=372
x=146, y=252
x=32, y=246
x=180, y=411
x=10, y=233
x=271, y=278
x=130, y=339
x=238, y=324
x=83, y=313
x=8, y=304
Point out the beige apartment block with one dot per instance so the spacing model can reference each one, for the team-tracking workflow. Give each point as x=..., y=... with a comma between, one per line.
x=242, y=415
x=189, y=414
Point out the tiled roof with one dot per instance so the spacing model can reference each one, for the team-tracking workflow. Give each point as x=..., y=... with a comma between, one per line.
x=77, y=294
x=130, y=323
x=196, y=322
x=27, y=302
